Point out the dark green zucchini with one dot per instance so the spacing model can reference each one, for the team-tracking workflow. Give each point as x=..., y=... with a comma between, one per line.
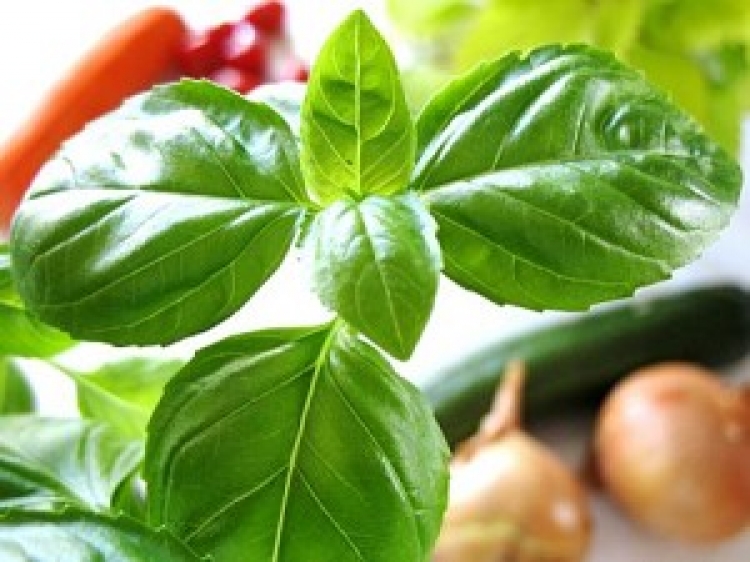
x=572, y=364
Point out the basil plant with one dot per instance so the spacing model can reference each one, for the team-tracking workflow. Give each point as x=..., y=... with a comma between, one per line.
x=551, y=180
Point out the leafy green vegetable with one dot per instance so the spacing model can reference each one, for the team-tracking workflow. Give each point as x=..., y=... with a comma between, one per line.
x=8, y=292
x=557, y=180
x=16, y=396
x=77, y=536
x=123, y=392
x=356, y=131
x=23, y=335
x=666, y=38
x=522, y=24
x=694, y=24
x=47, y=462
x=569, y=182
x=377, y=264
x=172, y=222
x=421, y=17
x=285, y=98
x=349, y=464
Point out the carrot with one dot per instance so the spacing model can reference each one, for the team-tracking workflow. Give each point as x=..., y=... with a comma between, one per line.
x=136, y=54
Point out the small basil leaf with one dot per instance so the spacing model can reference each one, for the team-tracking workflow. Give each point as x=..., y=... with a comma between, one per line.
x=122, y=392
x=571, y=182
x=77, y=536
x=48, y=462
x=284, y=98
x=16, y=396
x=324, y=453
x=25, y=336
x=377, y=264
x=356, y=131
x=160, y=220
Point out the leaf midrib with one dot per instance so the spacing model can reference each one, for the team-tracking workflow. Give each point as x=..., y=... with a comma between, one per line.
x=297, y=446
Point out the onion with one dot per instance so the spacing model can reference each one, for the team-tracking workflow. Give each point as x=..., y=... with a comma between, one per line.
x=511, y=499
x=672, y=447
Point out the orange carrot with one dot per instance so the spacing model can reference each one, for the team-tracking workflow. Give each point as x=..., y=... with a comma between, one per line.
x=132, y=57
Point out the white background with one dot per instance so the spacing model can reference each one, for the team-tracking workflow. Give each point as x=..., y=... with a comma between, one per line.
x=40, y=39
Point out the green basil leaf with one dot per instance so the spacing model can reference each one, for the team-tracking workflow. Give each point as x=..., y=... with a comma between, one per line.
x=356, y=131
x=284, y=98
x=324, y=453
x=572, y=182
x=161, y=219
x=25, y=336
x=47, y=462
x=77, y=536
x=122, y=392
x=377, y=264
x=16, y=396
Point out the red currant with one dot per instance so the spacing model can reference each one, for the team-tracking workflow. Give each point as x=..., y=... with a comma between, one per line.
x=247, y=50
x=203, y=52
x=267, y=17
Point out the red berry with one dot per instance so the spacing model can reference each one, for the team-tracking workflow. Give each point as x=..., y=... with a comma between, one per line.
x=203, y=52
x=267, y=17
x=247, y=50
x=295, y=70
x=236, y=80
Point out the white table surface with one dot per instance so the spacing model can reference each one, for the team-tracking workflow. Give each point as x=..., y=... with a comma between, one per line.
x=39, y=39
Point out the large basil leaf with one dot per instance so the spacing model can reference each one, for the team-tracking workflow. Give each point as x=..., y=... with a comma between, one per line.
x=48, y=462
x=76, y=536
x=377, y=264
x=291, y=445
x=161, y=219
x=564, y=179
x=122, y=392
x=25, y=336
x=16, y=396
x=285, y=98
x=357, y=134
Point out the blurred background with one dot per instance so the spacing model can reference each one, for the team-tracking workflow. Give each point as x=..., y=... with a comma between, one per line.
x=696, y=50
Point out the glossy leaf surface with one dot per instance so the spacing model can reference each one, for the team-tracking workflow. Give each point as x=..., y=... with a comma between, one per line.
x=284, y=98
x=76, y=536
x=48, y=462
x=25, y=336
x=323, y=452
x=563, y=179
x=161, y=219
x=356, y=131
x=123, y=392
x=377, y=264
x=16, y=396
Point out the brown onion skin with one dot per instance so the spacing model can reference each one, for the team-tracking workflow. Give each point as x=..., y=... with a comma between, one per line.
x=511, y=498
x=672, y=447
x=514, y=501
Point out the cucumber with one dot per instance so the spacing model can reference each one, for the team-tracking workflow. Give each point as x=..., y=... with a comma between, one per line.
x=572, y=364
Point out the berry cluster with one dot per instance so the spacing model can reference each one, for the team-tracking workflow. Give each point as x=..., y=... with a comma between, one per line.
x=246, y=53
